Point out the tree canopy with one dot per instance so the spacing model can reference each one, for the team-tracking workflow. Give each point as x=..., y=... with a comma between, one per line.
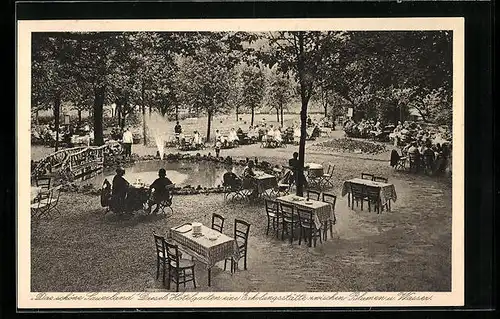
x=380, y=74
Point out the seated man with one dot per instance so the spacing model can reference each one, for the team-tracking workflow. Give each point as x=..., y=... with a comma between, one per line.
x=161, y=187
x=218, y=136
x=248, y=179
x=429, y=157
x=119, y=191
x=231, y=179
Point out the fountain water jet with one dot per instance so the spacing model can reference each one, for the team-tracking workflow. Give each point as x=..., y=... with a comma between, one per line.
x=158, y=127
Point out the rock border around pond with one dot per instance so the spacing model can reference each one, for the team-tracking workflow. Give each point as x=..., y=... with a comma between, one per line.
x=118, y=160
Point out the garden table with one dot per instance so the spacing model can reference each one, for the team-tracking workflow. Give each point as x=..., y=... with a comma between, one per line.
x=314, y=174
x=265, y=181
x=314, y=169
x=322, y=212
x=387, y=191
x=203, y=248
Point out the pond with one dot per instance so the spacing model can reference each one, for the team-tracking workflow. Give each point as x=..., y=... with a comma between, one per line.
x=205, y=174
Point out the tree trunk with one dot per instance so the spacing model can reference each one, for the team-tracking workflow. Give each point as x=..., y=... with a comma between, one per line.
x=237, y=113
x=36, y=117
x=209, y=124
x=119, y=113
x=277, y=115
x=324, y=99
x=57, y=109
x=97, y=115
x=143, y=115
x=303, y=115
x=281, y=109
x=253, y=115
x=79, y=117
x=176, y=113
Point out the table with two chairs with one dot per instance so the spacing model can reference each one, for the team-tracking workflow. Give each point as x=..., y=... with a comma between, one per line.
x=208, y=246
x=317, y=177
x=374, y=190
x=310, y=215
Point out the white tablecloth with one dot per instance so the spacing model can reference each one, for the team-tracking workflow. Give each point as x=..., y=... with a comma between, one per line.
x=321, y=211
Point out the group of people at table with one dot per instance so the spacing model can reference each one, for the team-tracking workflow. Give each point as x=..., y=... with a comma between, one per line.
x=424, y=149
x=122, y=196
x=270, y=135
x=365, y=128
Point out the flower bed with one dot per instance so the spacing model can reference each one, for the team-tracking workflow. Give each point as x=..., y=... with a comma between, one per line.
x=353, y=146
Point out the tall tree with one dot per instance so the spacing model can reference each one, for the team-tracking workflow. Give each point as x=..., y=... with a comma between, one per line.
x=279, y=93
x=252, y=78
x=52, y=75
x=95, y=62
x=207, y=74
x=302, y=52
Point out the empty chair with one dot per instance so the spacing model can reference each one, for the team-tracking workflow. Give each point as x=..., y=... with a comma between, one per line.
x=367, y=176
x=272, y=215
x=380, y=179
x=43, y=182
x=233, y=186
x=167, y=203
x=180, y=271
x=308, y=228
x=41, y=207
x=358, y=193
x=398, y=161
x=55, y=193
x=373, y=195
x=326, y=178
x=285, y=182
x=217, y=222
x=161, y=255
x=289, y=219
x=332, y=200
x=312, y=194
x=241, y=231
x=383, y=180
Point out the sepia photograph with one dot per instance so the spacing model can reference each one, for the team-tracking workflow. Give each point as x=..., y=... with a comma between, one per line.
x=260, y=163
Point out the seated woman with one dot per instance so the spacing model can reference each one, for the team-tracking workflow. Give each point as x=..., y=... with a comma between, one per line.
x=196, y=140
x=278, y=136
x=159, y=191
x=119, y=192
x=233, y=137
x=271, y=133
x=296, y=133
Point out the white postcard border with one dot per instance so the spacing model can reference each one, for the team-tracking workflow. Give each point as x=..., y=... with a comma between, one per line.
x=28, y=299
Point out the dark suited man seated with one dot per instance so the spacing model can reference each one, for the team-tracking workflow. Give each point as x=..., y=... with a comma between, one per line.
x=119, y=192
x=159, y=191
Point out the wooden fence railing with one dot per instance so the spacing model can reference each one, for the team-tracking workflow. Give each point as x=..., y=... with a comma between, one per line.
x=76, y=163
